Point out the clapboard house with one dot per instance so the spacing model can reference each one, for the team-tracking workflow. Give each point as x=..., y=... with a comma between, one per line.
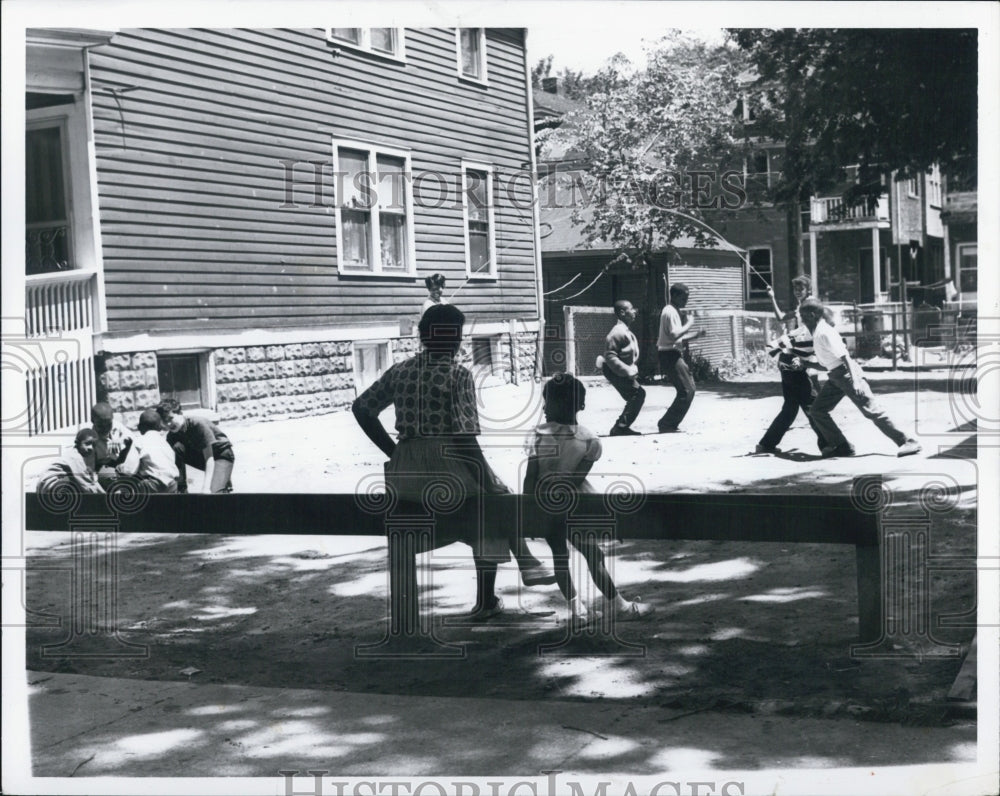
x=244, y=219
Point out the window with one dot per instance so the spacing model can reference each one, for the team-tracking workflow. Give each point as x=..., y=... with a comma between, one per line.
x=471, y=44
x=913, y=187
x=968, y=267
x=761, y=274
x=756, y=171
x=381, y=41
x=934, y=187
x=180, y=378
x=745, y=109
x=59, y=220
x=477, y=205
x=374, y=210
x=487, y=356
x=370, y=362
x=47, y=223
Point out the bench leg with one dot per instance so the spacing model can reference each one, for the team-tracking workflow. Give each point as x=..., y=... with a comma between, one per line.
x=870, y=595
x=407, y=636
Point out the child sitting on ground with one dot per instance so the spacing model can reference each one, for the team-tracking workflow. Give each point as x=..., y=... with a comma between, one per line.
x=151, y=457
x=75, y=468
x=560, y=455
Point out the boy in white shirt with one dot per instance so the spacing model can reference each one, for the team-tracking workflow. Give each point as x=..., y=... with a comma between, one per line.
x=844, y=377
x=151, y=458
x=674, y=330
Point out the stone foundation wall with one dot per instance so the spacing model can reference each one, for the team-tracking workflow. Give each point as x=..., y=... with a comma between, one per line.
x=281, y=381
x=128, y=382
x=275, y=382
x=526, y=350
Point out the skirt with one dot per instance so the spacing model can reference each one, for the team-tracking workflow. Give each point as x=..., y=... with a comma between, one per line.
x=431, y=478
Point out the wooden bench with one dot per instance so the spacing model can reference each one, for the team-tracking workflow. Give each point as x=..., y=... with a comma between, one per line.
x=766, y=517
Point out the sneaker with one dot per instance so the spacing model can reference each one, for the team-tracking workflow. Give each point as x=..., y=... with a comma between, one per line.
x=908, y=448
x=668, y=429
x=635, y=612
x=831, y=451
x=586, y=620
x=481, y=614
x=623, y=431
x=766, y=449
x=538, y=575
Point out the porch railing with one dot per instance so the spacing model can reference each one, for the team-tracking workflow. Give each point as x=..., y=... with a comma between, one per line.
x=59, y=303
x=60, y=383
x=832, y=210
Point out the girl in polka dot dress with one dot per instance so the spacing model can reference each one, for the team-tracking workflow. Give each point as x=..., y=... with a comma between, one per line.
x=438, y=425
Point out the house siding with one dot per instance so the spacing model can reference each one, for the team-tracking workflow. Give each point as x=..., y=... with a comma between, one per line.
x=213, y=154
x=193, y=130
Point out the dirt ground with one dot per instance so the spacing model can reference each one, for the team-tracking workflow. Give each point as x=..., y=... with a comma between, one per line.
x=738, y=627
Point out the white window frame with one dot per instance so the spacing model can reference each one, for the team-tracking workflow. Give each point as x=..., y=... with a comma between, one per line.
x=76, y=171
x=206, y=371
x=373, y=151
x=748, y=162
x=961, y=249
x=483, y=77
x=934, y=187
x=365, y=43
x=467, y=166
x=381, y=350
x=913, y=187
x=753, y=293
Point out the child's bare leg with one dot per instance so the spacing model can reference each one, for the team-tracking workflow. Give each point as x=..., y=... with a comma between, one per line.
x=594, y=556
x=560, y=563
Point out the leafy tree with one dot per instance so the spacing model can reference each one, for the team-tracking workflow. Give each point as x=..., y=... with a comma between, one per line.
x=889, y=100
x=541, y=69
x=646, y=136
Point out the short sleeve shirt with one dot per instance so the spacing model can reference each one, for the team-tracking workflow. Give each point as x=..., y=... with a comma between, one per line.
x=670, y=324
x=197, y=433
x=829, y=345
x=433, y=397
x=560, y=448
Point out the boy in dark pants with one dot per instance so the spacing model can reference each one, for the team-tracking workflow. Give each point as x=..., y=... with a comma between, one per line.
x=198, y=443
x=795, y=354
x=670, y=345
x=844, y=377
x=620, y=366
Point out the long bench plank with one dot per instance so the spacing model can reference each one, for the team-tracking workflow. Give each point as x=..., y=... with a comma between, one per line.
x=764, y=517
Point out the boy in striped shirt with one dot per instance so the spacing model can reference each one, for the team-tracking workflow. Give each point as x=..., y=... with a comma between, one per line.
x=795, y=354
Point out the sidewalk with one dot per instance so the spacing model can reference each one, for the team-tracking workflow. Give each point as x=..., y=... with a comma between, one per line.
x=95, y=726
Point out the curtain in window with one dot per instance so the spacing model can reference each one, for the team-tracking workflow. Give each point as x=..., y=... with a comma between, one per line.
x=392, y=213
x=383, y=39
x=471, y=55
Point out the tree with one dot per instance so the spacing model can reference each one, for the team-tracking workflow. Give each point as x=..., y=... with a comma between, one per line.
x=889, y=100
x=655, y=142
